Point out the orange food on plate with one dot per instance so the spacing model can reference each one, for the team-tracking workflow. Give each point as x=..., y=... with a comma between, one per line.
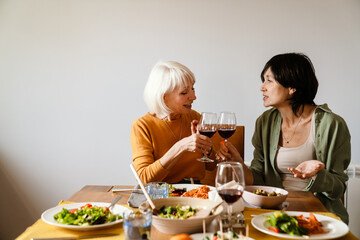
x=310, y=223
x=200, y=192
x=182, y=236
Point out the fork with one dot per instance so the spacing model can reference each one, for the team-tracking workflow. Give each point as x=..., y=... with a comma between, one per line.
x=115, y=201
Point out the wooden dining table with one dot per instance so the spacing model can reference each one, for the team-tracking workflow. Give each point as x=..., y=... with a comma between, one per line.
x=298, y=201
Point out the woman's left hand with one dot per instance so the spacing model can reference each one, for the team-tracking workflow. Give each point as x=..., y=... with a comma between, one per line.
x=307, y=169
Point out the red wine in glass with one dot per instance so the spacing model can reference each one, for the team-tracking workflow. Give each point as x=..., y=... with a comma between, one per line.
x=227, y=124
x=226, y=133
x=208, y=133
x=230, y=195
x=207, y=126
x=230, y=184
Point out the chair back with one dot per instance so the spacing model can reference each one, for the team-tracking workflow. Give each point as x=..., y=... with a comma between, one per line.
x=237, y=139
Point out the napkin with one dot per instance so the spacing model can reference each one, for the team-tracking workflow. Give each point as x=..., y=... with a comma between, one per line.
x=237, y=206
x=136, y=198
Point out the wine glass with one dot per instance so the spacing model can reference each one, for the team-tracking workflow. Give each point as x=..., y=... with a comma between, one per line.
x=207, y=126
x=227, y=125
x=230, y=184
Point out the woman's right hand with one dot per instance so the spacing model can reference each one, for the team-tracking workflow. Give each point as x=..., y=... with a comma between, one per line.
x=227, y=152
x=196, y=141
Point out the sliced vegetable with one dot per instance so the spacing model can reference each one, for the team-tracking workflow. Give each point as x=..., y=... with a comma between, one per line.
x=274, y=229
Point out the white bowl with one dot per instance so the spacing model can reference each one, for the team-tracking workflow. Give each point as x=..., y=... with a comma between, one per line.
x=273, y=202
x=176, y=226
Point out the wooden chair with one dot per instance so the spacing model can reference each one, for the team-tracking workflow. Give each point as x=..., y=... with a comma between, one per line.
x=237, y=140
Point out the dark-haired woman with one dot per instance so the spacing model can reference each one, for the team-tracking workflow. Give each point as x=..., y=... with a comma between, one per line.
x=298, y=145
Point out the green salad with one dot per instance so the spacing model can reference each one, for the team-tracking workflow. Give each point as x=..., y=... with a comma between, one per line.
x=86, y=215
x=177, y=212
x=281, y=222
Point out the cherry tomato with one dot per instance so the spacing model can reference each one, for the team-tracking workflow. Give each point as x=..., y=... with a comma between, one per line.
x=274, y=229
x=88, y=205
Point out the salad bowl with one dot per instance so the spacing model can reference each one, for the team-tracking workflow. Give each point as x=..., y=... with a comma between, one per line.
x=176, y=226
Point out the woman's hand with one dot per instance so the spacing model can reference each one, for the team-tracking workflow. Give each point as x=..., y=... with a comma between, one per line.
x=228, y=152
x=307, y=169
x=196, y=141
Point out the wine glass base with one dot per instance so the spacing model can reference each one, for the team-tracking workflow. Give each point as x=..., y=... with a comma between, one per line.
x=237, y=222
x=206, y=160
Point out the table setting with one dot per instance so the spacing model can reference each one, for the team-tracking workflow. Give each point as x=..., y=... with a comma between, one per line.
x=229, y=194
x=93, y=193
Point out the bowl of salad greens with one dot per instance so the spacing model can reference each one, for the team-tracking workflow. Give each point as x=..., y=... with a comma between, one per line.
x=176, y=214
x=84, y=216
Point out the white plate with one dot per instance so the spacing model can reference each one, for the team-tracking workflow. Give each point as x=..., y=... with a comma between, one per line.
x=48, y=215
x=334, y=228
x=200, y=236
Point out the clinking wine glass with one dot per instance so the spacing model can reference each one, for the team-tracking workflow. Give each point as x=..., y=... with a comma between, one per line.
x=227, y=125
x=207, y=126
x=230, y=184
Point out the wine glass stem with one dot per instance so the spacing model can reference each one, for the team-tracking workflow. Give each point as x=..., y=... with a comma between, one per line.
x=225, y=140
x=229, y=216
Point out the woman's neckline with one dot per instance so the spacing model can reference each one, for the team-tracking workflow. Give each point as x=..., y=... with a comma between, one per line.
x=168, y=118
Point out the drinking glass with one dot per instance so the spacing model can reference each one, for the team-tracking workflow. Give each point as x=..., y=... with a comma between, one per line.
x=207, y=126
x=157, y=190
x=137, y=225
x=227, y=124
x=230, y=184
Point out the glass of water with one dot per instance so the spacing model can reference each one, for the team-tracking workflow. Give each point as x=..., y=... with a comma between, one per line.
x=157, y=190
x=137, y=225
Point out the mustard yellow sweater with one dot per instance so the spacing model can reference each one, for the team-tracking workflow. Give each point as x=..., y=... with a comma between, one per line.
x=151, y=138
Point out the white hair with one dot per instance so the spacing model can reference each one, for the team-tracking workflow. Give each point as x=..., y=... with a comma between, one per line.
x=163, y=79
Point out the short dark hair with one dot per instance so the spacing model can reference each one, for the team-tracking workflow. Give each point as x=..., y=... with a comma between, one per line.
x=294, y=70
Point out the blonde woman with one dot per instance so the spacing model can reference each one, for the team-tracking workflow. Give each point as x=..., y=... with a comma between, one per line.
x=165, y=142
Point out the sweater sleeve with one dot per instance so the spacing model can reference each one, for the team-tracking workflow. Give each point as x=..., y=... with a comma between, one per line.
x=334, y=152
x=257, y=164
x=146, y=166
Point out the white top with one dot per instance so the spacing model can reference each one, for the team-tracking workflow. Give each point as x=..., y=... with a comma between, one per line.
x=291, y=157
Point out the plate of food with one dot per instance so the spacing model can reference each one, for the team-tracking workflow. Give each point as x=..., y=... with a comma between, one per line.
x=84, y=216
x=218, y=236
x=190, y=190
x=299, y=225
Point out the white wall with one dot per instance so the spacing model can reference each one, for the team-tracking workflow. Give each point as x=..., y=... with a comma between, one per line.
x=72, y=75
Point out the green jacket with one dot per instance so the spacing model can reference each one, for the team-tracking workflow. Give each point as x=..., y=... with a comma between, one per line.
x=332, y=144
